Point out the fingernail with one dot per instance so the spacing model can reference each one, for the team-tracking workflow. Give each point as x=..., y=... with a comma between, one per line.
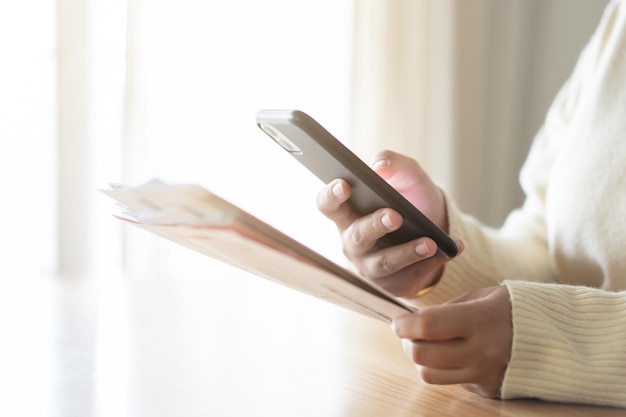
x=422, y=249
x=386, y=221
x=337, y=190
x=379, y=164
x=394, y=327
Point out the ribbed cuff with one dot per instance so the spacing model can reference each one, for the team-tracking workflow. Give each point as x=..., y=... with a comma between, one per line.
x=569, y=344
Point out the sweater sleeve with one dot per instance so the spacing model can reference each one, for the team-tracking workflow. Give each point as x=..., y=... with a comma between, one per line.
x=569, y=344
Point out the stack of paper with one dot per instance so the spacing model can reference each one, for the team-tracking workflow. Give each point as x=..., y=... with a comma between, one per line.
x=200, y=220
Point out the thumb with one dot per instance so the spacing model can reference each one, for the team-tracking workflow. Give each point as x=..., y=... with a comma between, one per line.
x=400, y=171
x=409, y=179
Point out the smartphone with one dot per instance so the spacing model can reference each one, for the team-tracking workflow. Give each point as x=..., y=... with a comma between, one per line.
x=327, y=158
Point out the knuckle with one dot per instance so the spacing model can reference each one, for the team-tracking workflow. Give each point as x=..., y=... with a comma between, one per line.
x=376, y=267
x=354, y=236
x=383, y=265
x=417, y=353
x=428, y=323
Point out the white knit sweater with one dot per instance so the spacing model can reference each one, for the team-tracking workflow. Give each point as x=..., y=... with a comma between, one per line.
x=563, y=254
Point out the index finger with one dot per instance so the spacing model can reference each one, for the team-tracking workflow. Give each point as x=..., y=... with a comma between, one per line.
x=332, y=202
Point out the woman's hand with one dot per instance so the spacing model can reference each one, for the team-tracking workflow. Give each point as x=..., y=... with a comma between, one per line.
x=466, y=341
x=404, y=269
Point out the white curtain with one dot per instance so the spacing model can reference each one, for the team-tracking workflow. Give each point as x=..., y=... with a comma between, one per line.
x=124, y=90
x=197, y=72
x=27, y=138
x=462, y=86
x=93, y=91
x=90, y=79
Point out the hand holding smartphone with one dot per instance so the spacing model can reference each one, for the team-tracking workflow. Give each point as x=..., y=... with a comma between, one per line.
x=327, y=158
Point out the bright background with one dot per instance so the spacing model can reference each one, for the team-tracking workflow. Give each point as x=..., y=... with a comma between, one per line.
x=113, y=91
x=98, y=91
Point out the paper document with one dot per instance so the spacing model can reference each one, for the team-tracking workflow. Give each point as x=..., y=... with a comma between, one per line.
x=200, y=220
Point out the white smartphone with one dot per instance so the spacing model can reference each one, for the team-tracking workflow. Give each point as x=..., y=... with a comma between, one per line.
x=327, y=158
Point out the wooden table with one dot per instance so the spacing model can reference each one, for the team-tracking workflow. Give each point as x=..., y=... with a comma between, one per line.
x=223, y=343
